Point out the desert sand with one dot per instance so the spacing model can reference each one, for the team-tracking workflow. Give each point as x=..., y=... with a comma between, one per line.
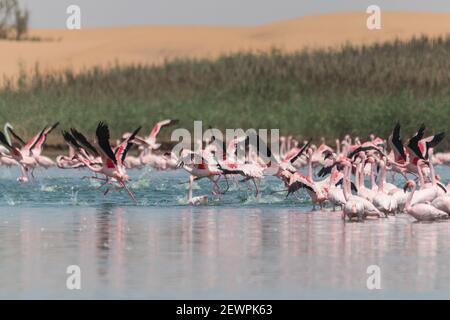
x=154, y=44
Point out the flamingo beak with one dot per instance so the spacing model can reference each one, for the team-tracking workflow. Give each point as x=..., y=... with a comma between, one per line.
x=180, y=164
x=406, y=187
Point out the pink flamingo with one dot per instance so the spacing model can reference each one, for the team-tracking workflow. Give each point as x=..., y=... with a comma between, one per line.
x=111, y=165
x=421, y=211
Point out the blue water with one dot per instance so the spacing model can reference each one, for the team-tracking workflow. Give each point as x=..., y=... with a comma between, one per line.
x=237, y=246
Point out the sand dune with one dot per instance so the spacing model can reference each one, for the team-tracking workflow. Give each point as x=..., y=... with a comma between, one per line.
x=154, y=44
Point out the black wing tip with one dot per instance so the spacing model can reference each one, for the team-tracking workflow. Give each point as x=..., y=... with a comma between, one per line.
x=136, y=131
x=102, y=125
x=102, y=129
x=54, y=126
x=3, y=140
x=396, y=131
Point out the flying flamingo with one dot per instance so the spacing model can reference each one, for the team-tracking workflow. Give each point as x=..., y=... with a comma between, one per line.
x=5, y=158
x=148, y=145
x=200, y=167
x=37, y=143
x=24, y=156
x=111, y=165
x=3, y=149
x=70, y=161
x=418, y=147
x=150, y=141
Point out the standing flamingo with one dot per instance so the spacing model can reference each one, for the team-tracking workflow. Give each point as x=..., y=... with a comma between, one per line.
x=382, y=201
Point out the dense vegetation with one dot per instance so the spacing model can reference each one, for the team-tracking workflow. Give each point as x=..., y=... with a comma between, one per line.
x=356, y=90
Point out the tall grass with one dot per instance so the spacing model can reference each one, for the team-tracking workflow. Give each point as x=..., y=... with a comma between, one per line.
x=329, y=93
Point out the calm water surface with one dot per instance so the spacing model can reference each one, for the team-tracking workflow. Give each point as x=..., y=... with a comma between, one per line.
x=235, y=247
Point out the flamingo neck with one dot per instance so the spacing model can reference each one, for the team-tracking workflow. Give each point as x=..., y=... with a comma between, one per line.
x=409, y=198
x=432, y=173
x=338, y=147
x=361, y=174
x=382, y=176
x=357, y=179
x=372, y=176
x=191, y=180
x=421, y=180
x=346, y=183
x=310, y=175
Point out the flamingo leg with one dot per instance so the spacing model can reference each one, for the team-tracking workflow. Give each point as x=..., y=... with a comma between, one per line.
x=104, y=183
x=228, y=184
x=113, y=188
x=215, y=189
x=256, y=187
x=217, y=185
x=129, y=192
x=96, y=178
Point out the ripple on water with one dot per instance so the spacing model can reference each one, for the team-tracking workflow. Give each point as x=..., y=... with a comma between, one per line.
x=58, y=188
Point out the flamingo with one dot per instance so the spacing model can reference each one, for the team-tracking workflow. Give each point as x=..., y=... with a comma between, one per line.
x=441, y=189
x=150, y=141
x=421, y=211
x=7, y=160
x=382, y=201
x=195, y=200
x=286, y=166
x=147, y=145
x=424, y=194
x=419, y=147
x=318, y=192
x=354, y=207
x=24, y=156
x=251, y=168
x=37, y=142
x=369, y=209
x=335, y=194
x=359, y=178
x=70, y=161
x=203, y=169
x=41, y=160
x=111, y=164
x=3, y=149
x=442, y=203
x=442, y=158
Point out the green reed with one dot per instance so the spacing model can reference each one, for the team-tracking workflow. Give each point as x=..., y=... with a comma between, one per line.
x=312, y=93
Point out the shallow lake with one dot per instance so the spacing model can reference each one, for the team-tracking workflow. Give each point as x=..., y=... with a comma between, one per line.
x=237, y=246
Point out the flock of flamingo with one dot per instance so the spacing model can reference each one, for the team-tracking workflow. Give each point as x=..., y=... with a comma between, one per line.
x=339, y=179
